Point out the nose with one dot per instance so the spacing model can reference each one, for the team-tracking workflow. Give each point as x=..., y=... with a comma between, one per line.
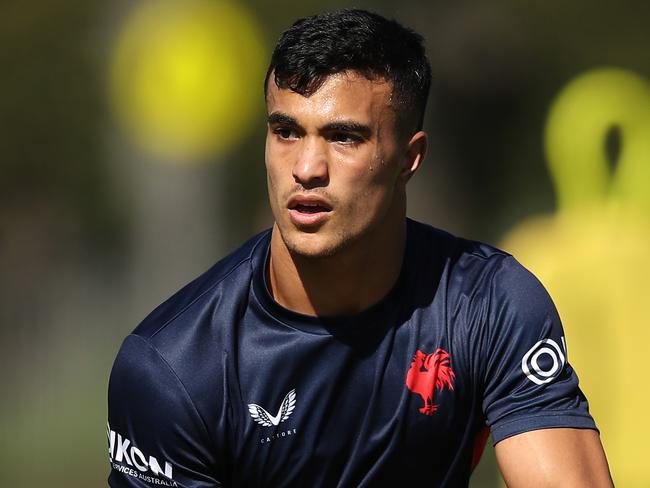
x=311, y=167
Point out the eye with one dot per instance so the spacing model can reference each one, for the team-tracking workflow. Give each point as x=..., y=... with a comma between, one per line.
x=345, y=138
x=286, y=133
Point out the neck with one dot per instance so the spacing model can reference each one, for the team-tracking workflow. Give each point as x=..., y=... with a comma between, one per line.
x=346, y=283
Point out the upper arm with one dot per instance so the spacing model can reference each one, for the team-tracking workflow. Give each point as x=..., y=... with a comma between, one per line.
x=156, y=436
x=539, y=418
x=554, y=458
x=528, y=383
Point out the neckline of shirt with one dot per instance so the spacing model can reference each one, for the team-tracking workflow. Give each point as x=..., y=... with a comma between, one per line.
x=326, y=325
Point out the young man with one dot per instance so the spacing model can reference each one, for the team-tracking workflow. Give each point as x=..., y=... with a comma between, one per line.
x=349, y=346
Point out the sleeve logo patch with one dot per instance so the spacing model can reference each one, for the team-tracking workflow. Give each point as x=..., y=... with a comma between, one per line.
x=128, y=459
x=544, y=361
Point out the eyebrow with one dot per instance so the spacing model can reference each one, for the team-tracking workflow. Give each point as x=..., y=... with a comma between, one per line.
x=280, y=118
x=348, y=126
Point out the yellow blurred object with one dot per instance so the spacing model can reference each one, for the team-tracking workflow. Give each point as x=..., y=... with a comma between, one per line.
x=593, y=255
x=186, y=76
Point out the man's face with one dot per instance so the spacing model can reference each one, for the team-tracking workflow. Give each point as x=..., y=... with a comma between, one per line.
x=334, y=164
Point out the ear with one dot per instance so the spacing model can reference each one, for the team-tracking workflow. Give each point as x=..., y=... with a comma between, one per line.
x=416, y=148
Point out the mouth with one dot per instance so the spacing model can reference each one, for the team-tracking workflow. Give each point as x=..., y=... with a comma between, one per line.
x=309, y=208
x=307, y=211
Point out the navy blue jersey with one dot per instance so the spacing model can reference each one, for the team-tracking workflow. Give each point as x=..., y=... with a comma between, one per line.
x=222, y=386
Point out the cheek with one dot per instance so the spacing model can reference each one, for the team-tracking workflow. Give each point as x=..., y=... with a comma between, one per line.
x=274, y=169
x=380, y=188
x=274, y=195
x=269, y=156
x=370, y=191
x=274, y=189
x=278, y=157
x=272, y=186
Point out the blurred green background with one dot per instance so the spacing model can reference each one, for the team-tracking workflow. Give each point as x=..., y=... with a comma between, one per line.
x=104, y=212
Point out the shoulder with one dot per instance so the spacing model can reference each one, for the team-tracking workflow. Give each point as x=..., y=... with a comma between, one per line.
x=433, y=241
x=467, y=266
x=193, y=330
x=229, y=277
x=175, y=360
x=484, y=290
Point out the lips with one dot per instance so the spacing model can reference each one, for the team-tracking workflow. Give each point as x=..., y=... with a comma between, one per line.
x=309, y=204
x=308, y=210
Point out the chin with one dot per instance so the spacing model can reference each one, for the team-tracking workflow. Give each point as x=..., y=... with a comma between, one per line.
x=315, y=245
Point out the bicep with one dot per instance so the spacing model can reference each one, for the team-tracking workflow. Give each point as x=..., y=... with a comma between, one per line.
x=552, y=458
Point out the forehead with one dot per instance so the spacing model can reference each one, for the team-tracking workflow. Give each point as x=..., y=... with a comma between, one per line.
x=346, y=95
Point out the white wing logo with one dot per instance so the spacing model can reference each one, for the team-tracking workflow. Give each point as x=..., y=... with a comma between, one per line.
x=264, y=418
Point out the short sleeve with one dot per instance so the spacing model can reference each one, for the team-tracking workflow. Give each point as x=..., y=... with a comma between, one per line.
x=528, y=382
x=156, y=437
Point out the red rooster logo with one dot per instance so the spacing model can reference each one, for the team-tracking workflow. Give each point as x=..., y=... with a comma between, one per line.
x=429, y=372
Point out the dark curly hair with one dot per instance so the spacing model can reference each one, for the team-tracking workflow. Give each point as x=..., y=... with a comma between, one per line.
x=316, y=47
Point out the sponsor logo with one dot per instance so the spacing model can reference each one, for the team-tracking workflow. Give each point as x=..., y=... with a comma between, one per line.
x=265, y=419
x=128, y=459
x=544, y=361
x=428, y=373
